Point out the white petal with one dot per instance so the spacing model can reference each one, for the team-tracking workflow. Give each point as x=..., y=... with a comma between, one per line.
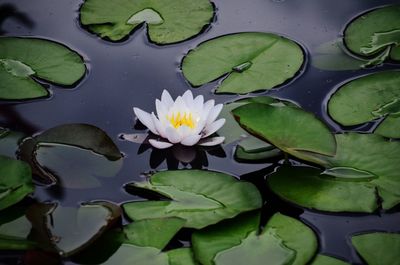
x=198, y=104
x=184, y=131
x=159, y=144
x=213, y=127
x=199, y=126
x=158, y=125
x=214, y=112
x=145, y=118
x=172, y=135
x=210, y=141
x=138, y=138
x=188, y=98
x=161, y=110
x=206, y=108
x=191, y=140
x=166, y=99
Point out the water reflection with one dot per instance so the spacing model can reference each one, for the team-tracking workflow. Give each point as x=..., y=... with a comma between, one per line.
x=10, y=11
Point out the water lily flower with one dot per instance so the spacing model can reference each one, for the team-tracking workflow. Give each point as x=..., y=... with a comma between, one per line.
x=187, y=120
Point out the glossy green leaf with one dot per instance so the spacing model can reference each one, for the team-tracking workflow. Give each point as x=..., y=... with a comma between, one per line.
x=378, y=248
x=251, y=61
x=284, y=240
x=368, y=98
x=167, y=22
x=374, y=31
x=291, y=129
x=181, y=256
x=22, y=59
x=327, y=260
x=306, y=187
x=15, y=181
x=9, y=142
x=191, y=197
x=67, y=230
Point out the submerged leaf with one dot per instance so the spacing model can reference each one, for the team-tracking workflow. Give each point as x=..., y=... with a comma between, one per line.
x=167, y=21
x=23, y=59
x=350, y=173
x=252, y=61
x=9, y=142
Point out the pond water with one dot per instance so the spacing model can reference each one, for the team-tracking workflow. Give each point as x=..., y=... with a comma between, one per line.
x=134, y=72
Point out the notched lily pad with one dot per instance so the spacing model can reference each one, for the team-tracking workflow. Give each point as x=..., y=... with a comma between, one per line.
x=369, y=98
x=251, y=61
x=72, y=155
x=167, y=22
x=191, y=197
x=284, y=240
x=24, y=60
x=15, y=181
x=375, y=32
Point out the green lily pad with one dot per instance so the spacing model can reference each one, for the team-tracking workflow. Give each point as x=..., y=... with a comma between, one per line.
x=284, y=240
x=374, y=31
x=15, y=229
x=181, y=256
x=378, y=248
x=167, y=22
x=9, y=142
x=22, y=60
x=251, y=61
x=291, y=129
x=368, y=98
x=191, y=197
x=15, y=181
x=67, y=230
x=327, y=260
x=73, y=155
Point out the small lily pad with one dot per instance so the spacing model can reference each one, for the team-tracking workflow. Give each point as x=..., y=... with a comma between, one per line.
x=291, y=129
x=374, y=31
x=284, y=240
x=15, y=181
x=327, y=260
x=251, y=61
x=378, y=248
x=23, y=60
x=167, y=22
x=369, y=98
x=191, y=197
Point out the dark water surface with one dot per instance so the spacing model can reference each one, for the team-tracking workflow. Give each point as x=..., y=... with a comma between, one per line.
x=134, y=73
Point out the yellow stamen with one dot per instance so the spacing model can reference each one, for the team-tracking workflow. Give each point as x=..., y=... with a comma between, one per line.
x=177, y=120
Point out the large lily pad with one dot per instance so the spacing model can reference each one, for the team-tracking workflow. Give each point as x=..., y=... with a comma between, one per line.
x=289, y=128
x=24, y=59
x=15, y=181
x=367, y=99
x=284, y=240
x=252, y=61
x=364, y=171
x=167, y=22
x=191, y=197
x=375, y=32
x=73, y=155
x=378, y=248
x=68, y=230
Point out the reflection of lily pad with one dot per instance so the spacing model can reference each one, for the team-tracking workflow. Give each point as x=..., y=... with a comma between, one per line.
x=167, y=22
x=193, y=198
x=73, y=154
x=378, y=248
x=15, y=181
x=68, y=230
x=9, y=142
x=284, y=240
x=369, y=98
x=23, y=59
x=252, y=61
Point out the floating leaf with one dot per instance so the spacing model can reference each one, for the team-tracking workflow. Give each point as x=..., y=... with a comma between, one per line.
x=378, y=248
x=193, y=198
x=15, y=181
x=252, y=61
x=374, y=31
x=181, y=256
x=67, y=230
x=9, y=142
x=22, y=60
x=368, y=98
x=167, y=22
x=327, y=260
x=73, y=155
x=291, y=129
x=284, y=240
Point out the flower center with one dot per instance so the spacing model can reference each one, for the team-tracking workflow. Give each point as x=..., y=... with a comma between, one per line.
x=181, y=119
